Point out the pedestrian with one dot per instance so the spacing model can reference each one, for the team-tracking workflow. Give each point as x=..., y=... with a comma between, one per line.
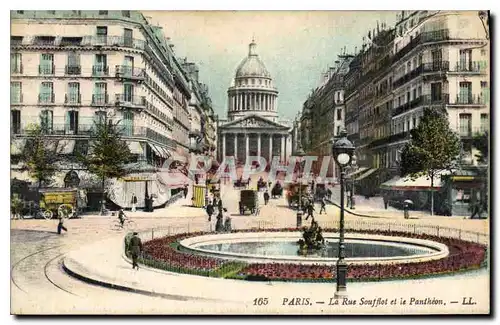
x=266, y=197
x=386, y=202
x=329, y=193
x=135, y=248
x=210, y=210
x=121, y=217
x=185, y=190
x=196, y=178
x=219, y=224
x=310, y=211
x=134, y=202
x=323, y=206
x=227, y=221
x=60, y=226
x=475, y=210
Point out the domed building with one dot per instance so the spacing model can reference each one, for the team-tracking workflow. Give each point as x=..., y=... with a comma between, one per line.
x=252, y=127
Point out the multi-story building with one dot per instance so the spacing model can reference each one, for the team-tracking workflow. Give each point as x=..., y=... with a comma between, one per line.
x=326, y=112
x=71, y=68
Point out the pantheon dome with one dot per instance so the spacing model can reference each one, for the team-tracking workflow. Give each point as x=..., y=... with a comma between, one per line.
x=252, y=90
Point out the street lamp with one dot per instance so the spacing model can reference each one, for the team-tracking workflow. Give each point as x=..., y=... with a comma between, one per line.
x=354, y=167
x=342, y=151
x=300, y=153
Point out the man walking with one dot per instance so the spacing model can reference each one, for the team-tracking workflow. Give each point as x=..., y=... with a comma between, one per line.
x=266, y=197
x=185, y=191
x=210, y=210
x=134, y=202
x=60, y=226
x=135, y=249
x=310, y=210
x=323, y=206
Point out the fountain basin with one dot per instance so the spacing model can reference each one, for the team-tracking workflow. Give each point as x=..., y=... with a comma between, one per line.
x=281, y=247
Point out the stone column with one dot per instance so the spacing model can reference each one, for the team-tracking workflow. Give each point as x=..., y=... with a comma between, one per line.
x=267, y=102
x=282, y=152
x=247, y=146
x=270, y=147
x=236, y=146
x=258, y=144
x=257, y=100
x=223, y=146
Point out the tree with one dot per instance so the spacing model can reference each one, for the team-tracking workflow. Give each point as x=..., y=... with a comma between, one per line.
x=107, y=155
x=480, y=142
x=433, y=147
x=40, y=154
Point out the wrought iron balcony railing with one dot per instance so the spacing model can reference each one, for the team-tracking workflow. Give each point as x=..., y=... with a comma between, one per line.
x=100, y=99
x=100, y=70
x=127, y=72
x=73, y=70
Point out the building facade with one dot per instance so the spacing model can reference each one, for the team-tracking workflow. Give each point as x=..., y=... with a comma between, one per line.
x=252, y=127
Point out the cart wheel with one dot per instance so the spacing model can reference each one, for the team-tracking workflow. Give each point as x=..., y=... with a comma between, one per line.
x=47, y=214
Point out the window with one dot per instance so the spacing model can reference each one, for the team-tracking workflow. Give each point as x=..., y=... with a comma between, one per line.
x=414, y=93
x=46, y=63
x=71, y=126
x=465, y=93
x=20, y=12
x=126, y=13
x=73, y=64
x=465, y=63
x=16, y=65
x=73, y=93
x=485, y=93
x=16, y=96
x=436, y=94
x=338, y=130
x=419, y=92
x=103, y=12
x=15, y=121
x=46, y=93
x=408, y=66
x=127, y=37
x=128, y=92
x=128, y=123
x=100, y=117
x=437, y=56
x=484, y=122
x=46, y=121
x=414, y=121
x=420, y=59
x=100, y=65
x=465, y=124
x=483, y=52
x=102, y=34
x=100, y=95
x=339, y=114
x=51, y=12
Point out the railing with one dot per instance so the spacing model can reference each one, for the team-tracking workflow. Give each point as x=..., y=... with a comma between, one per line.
x=470, y=131
x=73, y=70
x=469, y=99
x=73, y=99
x=407, y=77
x=436, y=66
x=390, y=139
x=121, y=41
x=407, y=106
x=426, y=37
x=259, y=223
x=123, y=71
x=129, y=99
x=46, y=98
x=430, y=100
x=100, y=99
x=470, y=66
x=44, y=69
x=153, y=109
x=100, y=70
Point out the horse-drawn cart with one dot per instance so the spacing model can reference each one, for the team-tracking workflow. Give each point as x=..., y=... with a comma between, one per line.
x=249, y=201
x=61, y=202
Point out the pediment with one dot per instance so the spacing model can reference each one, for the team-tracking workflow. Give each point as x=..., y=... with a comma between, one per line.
x=253, y=121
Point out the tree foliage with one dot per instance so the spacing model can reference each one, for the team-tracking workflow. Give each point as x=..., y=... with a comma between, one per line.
x=108, y=153
x=480, y=142
x=40, y=154
x=433, y=146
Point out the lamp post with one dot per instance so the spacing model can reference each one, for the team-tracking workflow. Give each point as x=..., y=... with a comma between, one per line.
x=300, y=153
x=342, y=151
x=354, y=167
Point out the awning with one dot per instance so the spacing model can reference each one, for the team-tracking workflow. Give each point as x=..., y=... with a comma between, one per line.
x=135, y=147
x=357, y=172
x=66, y=147
x=157, y=151
x=167, y=153
x=407, y=184
x=368, y=173
x=17, y=146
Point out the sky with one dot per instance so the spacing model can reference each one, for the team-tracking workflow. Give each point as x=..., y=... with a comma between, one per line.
x=296, y=46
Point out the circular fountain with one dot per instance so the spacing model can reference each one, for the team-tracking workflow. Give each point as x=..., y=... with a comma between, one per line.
x=282, y=247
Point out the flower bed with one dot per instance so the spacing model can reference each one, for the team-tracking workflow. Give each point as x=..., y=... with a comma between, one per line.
x=163, y=253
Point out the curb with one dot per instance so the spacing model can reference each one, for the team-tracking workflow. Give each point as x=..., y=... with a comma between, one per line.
x=354, y=213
